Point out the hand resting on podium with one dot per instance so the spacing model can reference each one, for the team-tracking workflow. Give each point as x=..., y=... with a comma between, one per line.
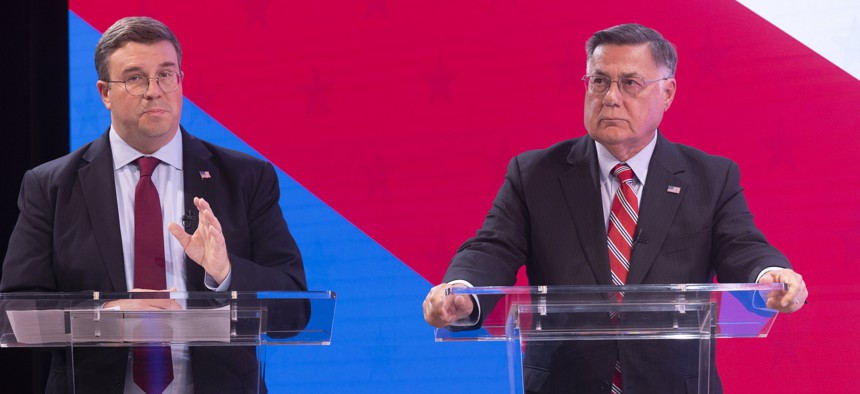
x=441, y=310
x=790, y=300
x=145, y=304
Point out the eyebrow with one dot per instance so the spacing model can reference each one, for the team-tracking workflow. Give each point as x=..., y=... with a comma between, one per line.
x=134, y=69
x=624, y=75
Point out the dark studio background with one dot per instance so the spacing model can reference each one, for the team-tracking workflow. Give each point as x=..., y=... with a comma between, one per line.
x=35, y=113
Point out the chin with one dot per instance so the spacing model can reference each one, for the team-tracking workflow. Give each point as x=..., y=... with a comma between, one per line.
x=611, y=133
x=156, y=124
x=156, y=132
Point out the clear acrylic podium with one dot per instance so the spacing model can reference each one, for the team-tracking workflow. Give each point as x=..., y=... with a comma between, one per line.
x=229, y=330
x=691, y=312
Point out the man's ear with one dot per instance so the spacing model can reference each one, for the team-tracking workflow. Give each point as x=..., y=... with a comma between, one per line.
x=104, y=89
x=670, y=86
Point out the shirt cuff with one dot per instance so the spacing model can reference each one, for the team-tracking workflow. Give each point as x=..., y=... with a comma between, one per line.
x=210, y=283
x=766, y=270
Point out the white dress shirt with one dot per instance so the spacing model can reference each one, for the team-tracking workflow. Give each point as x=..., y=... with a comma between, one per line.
x=168, y=180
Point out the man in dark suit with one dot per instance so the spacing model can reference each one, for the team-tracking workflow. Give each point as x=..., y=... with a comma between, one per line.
x=686, y=220
x=222, y=230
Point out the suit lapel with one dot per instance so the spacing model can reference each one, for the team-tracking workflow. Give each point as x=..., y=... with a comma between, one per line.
x=97, y=185
x=657, y=208
x=580, y=186
x=200, y=176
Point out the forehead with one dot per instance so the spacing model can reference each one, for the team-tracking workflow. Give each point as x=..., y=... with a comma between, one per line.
x=139, y=56
x=622, y=60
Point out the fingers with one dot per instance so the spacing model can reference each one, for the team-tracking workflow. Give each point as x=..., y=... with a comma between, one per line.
x=433, y=306
x=461, y=303
x=209, y=225
x=791, y=299
x=157, y=304
x=795, y=297
x=180, y=234
x=196, y=245
x=795, y=286
x=766, y=279
x=430, y=313
x=203, y=219
x=214, y=257
x=144, y=304
x=207, y=216
x=441, y=310
x=201, y=204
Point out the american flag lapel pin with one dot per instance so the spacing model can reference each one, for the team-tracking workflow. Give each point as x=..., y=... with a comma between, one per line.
x=205, y=175
x=673, y=189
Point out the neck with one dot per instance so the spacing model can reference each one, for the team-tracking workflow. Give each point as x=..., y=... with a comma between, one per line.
x=623, y=153
x=145, y=144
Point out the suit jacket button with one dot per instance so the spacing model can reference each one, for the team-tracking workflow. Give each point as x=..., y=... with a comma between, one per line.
x=117, y=381
x=605, y=385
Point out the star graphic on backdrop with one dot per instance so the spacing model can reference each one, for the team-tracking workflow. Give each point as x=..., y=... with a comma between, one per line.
x=850, y=44
x=440, y=82
x=710, y=58
x=316, y=91
x=788, y=357
x=851, y=240
x=377, y=177
x=195, y=87
x=494, y=3
x=82, y=108
x=853, y=124
x=149, y=9
x=568, y=69
x=376, y=7
x=256, y=10
x=502, y=154
x=781, y=148
x=438, y=254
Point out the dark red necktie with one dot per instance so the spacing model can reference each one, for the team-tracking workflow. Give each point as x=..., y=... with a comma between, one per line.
x=152, y=365
x=622, y=227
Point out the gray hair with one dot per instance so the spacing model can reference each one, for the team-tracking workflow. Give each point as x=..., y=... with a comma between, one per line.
x=139, y=29
x=633, y=34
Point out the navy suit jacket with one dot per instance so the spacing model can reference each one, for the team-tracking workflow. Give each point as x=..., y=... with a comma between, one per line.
x=67, y=239
x=548, y=215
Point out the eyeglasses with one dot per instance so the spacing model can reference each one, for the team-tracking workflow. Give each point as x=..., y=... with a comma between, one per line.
x=631, y=86
x=137, y=85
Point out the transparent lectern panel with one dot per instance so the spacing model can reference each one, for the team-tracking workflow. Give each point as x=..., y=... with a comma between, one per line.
x=588, y=328
x=159, y=318
x=616, y=312
x=100, y=337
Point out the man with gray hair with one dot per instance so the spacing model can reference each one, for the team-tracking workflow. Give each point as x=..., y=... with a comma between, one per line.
x=149, y=207
x=577, y=212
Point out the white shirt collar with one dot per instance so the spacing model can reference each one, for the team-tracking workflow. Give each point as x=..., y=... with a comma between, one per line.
x=638, y=163
x=123, y=153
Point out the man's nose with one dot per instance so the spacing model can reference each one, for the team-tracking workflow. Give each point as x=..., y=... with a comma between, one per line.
x=153, y=89
x=612, y=98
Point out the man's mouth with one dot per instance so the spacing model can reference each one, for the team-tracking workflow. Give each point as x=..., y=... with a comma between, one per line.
x=154, y=111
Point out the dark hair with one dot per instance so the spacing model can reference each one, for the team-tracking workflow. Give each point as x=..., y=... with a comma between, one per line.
x=632, y=34
x=140, y=29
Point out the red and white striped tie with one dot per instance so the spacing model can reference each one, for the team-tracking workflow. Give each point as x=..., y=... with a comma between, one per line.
x=622, y=227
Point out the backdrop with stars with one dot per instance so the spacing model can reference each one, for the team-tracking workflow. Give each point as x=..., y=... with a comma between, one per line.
x=391, y=123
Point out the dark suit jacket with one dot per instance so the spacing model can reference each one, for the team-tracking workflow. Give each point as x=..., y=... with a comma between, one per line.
x=67, y=237
x=548, y=215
